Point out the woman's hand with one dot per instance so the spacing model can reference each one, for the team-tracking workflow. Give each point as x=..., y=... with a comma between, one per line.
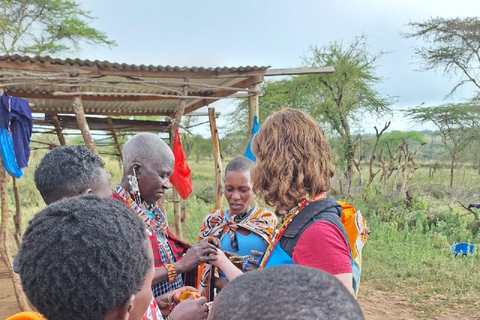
x=213, y=240
x=199, y=253
x=227, y=267
x=254, y=262
x=173, y=296
x=238, y=261
x=190, y=310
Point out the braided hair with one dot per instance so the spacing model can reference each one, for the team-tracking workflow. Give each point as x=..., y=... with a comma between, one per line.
x=81, y=257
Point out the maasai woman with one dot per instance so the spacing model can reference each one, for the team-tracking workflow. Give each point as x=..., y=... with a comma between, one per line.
x=148, y=164
x=241, y=228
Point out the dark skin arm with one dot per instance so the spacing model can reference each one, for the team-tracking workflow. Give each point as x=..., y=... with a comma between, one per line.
x=199, y=253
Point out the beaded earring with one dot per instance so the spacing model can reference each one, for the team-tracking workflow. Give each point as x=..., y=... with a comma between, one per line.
x=134, y=189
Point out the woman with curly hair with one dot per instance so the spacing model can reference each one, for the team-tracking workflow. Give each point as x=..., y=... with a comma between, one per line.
x=293, y=174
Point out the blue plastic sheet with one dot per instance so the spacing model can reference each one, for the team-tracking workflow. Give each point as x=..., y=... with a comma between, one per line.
x=8, y=155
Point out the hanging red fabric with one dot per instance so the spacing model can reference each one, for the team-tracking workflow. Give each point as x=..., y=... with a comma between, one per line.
x=181, y=179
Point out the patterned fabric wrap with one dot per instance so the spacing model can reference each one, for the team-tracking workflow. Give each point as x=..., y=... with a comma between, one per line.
x=158, y=234
x=257, y=220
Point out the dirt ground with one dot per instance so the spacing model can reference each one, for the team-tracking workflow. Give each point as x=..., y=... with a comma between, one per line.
x=376, y=304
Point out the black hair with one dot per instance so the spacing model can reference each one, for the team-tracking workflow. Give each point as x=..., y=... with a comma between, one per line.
x=287, y=292
x=239, y=164
x=81, y=257
x=67, y=171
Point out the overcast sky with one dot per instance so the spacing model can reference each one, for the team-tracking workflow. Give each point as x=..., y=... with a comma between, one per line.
x=278, y=34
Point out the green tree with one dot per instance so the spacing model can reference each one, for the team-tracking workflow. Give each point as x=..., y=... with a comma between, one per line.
x=336, y=100
x=40, y=27
x=452, y=45
x=458, y=125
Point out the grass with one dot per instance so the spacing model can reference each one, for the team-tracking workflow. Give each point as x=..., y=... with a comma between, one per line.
x=408, y=250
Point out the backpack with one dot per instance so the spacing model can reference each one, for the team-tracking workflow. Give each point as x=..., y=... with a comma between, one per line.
x=351, y=223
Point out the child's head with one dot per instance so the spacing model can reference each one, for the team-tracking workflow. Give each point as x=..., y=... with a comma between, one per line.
x=287, y=292
x=87, y=258
x=69, y=171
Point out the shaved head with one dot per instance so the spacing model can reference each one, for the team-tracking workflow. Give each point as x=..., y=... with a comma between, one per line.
x=147, y=149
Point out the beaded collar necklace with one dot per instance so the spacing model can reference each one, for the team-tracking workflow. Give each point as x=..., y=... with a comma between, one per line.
x=284, y=226
x=159, y=224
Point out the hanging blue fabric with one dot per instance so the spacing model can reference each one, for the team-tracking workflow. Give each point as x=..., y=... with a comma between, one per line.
x=8, y=155
x=248, y=153
x=16, y=118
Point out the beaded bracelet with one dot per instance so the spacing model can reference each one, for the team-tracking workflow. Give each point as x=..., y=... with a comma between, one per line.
x=171, y=273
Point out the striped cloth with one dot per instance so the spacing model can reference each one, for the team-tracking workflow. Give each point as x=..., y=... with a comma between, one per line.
x=257, y=220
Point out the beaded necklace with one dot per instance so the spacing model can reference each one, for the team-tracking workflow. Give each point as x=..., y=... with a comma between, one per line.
x=159, y=225
x=284, y=226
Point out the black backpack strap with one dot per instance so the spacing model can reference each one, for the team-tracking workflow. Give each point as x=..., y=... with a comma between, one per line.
x=325, y=210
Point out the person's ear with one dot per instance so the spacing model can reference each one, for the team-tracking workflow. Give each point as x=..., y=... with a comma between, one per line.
x=126, y=308
x=137, y=169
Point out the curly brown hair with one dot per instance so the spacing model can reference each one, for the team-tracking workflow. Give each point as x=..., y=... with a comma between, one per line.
x=293, y=159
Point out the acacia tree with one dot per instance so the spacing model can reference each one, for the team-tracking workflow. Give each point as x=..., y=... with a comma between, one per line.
x=457, y=124
x=46, y=27
x=335, y=100
x=452, y=45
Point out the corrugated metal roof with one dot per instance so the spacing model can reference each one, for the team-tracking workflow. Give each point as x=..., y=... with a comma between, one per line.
x=110, y=88
x=123, y=66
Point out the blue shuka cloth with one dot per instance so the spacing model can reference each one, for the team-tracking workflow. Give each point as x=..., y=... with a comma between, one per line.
x=16, y=118
x=248, y=153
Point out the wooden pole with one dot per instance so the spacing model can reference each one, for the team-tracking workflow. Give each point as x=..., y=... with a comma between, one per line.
x=253, y=105
x=58, y=129
x=82, y=121
x=115, y=139
x=4, y=242
x=18, y=213
x=217, y=159
x=177, y=214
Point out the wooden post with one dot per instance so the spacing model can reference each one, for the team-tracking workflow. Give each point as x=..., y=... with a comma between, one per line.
x=253, y=105
x=82, y=121
x=58, y=129
x=177, y=214
x=18, y=213
x=4, y=242
x=217, y=159
x=115, y=139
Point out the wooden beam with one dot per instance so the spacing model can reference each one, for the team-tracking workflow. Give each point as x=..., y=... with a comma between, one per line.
x=217, y=160
x=298, y=71
x=117, y=95
x=200, y=114
x=17, y=218
x=5, y=241
x=243, y=84
x=252, y=106
x=177, y=214
x=58, y=129
x=101, y=124
x=115, y=139
x=82, y=122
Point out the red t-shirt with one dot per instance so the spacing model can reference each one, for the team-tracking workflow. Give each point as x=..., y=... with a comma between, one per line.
x=323, y=246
